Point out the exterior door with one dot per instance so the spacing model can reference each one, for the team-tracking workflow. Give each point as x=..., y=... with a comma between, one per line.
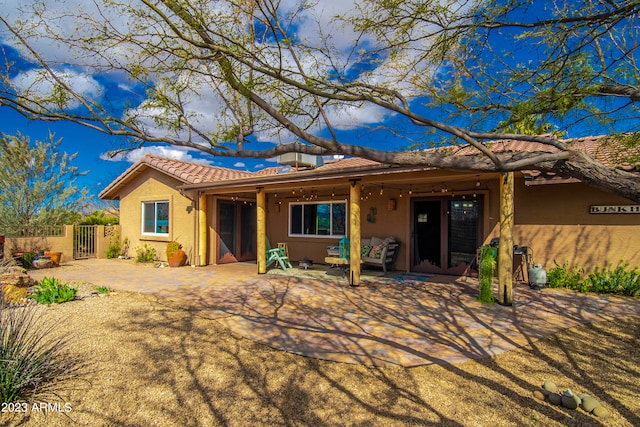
x=445, y=234
x=236, y=232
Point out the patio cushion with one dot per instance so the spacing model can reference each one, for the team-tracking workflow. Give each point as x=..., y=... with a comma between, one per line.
x=365, y=250
x=376, y=251
x=375, y=241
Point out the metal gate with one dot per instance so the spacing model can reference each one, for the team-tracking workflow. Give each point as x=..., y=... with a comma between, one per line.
x=84, y=241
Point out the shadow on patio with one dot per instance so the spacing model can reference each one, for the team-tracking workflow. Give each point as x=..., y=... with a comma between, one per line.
x=400, y=319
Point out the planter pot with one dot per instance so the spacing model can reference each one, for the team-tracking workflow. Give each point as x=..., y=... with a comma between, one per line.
x=42, y=262
x=177, y=259
x=55, y=257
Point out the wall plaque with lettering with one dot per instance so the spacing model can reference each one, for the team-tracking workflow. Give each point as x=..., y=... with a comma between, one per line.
x=615, y=209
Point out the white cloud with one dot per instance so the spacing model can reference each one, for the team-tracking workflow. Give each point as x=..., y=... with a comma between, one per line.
x=40, y=84
x=239, y=165
x=203, y=105
x=176, y=153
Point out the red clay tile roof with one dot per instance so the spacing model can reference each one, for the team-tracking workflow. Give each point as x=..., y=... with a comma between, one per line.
x=192, y=173
x=606, y=150
x=351, y=162
x=187, y=172
x=267, y=171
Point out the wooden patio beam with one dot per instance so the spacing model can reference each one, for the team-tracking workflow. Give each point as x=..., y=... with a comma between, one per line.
x=261, y=229
x=354, y=233
x=505, y=251
x=202, y=230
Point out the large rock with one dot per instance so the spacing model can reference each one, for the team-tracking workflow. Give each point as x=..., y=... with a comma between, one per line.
x=14, y=283
x=550, y=386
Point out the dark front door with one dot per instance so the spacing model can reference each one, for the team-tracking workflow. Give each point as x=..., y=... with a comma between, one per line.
x=236, y=232
x=445, y=234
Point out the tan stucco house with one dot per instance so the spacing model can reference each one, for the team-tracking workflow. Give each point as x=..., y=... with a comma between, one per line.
x=439, y=217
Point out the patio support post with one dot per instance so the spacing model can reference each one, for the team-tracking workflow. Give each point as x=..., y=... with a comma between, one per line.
x=505, y=251
x=354, y=233
x=202, y=229
x=261, y=230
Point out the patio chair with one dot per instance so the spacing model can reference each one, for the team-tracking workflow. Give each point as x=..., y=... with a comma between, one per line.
x=277, y=255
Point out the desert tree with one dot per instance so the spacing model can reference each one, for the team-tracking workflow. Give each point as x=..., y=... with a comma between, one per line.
x=242, y=78
x=37, y=183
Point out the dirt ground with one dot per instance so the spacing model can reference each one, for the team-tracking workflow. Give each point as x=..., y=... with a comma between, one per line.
x=154, y=363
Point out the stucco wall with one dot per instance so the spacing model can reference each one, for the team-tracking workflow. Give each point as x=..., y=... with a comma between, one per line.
x=387, y=223
x=62, y=244
x=154, y=186
x=554, y=220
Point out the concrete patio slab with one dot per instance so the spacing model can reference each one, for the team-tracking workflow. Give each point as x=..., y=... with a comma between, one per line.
x=402, y=319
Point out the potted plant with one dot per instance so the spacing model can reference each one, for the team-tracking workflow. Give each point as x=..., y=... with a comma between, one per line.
x=175, y=255
x=55, y=256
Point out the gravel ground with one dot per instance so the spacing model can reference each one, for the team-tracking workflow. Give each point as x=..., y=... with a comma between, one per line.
x=154, y=363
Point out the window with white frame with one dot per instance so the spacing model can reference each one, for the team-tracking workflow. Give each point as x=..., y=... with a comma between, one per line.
x=326, y=219
x=155, y=218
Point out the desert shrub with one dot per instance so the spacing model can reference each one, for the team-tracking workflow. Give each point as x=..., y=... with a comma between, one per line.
x=52, y=291
x=618, y=280
x=485, y=275
x=27, y=259
x=35, y=363
x=125, y=247
x=114, y=248
x=103, y=289
x=561, y=276
x=145, y=253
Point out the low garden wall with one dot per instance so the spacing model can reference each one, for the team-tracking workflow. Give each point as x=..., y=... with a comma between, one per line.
x=57, y=239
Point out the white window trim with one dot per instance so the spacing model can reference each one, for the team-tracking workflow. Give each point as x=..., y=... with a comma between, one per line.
x=142, y=212
x=320, y=236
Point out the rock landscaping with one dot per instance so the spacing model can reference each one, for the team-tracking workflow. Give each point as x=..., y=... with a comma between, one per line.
x=549, y=392
x=16, y=288
x=16, y=284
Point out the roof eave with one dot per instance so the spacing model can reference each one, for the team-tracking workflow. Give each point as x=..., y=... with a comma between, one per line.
x=304, y=176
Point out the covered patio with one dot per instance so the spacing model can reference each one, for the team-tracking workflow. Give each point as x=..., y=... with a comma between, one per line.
x=400, y=319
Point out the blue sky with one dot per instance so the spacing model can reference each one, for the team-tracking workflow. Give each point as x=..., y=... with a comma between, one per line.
x=92, y=146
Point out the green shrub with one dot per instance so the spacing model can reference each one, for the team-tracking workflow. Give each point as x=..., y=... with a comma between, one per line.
x=561, y=276
x=172, y=248
x=35, y=363
x=114, y=248
x=485, y=275
x=27, y=259
x=618, y=280
x=125, y=247
x=145, y=253
x=103, y=289
x=52, y=291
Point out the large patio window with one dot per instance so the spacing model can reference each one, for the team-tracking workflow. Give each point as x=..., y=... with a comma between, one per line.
x=318, y=219
x=155, y=218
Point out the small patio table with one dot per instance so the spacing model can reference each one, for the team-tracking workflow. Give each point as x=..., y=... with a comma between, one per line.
x=342, y=263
